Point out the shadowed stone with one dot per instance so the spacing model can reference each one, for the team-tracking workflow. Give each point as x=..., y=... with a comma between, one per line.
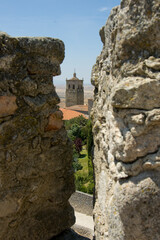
x=36, y=177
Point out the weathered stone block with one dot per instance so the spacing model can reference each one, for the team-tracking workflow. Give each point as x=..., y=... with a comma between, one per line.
x=36, y=177
x=7, y=105
x=126, y=124
x=55, y=121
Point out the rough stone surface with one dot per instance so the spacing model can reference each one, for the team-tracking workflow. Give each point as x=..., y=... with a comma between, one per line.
x=82, y=202
x=126, y=124
x=8, y=105
x=36, y=177
x=55, y=121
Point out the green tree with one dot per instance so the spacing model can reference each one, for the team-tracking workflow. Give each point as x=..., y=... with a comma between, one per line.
x=74, y=132
x=76, y=164
x=89, y=149
x=78, y=145
x=80, y=132
x=89, y=138
x=80, y=121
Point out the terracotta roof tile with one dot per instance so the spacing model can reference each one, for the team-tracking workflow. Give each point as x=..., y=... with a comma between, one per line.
x=69, y=114
x=78, y=108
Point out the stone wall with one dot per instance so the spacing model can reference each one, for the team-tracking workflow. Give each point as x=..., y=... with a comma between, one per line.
x=36, y=178
x=126, y=124
x=90, y=105
x=82, y=202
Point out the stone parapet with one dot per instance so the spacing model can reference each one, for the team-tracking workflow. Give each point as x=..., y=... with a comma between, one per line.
x=126, y=124
x=36, y=177
x=82, y=202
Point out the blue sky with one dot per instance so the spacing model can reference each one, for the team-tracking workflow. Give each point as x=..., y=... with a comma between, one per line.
x=75, y=22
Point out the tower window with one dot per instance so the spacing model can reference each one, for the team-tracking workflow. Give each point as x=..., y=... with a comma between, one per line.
x=73, y=86
x=69, y=86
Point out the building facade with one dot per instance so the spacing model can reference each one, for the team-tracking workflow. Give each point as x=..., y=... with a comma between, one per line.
x=90, y=105
x=74, y=91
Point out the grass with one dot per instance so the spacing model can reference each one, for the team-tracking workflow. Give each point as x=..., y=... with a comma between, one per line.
x=83, y=160
x=84, y=182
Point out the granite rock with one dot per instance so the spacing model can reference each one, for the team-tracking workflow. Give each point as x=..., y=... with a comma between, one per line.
x=126, y=124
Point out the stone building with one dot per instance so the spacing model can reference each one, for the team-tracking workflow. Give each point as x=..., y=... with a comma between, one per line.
x=90, y=105
x=74, y=91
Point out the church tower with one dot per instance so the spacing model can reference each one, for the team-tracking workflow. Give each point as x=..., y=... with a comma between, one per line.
x=74, y=91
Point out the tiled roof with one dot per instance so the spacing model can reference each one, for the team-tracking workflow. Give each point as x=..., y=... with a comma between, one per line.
x=69, y=114
x=78, y=108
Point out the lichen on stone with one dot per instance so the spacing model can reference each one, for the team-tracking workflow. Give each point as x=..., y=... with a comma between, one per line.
x=126, y=154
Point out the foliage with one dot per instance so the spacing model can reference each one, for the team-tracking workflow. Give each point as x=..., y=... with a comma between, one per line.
x=80, y=132
x=84, y=134
x=80, y=121
x=90, y=188
x=76, y=164
x=89, y=138
x=74, y=132
x=84, y=177
x=90, y=167
x=78, y=145
x=77, y=128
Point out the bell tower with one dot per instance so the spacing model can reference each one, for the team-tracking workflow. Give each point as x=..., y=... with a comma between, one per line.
x=74, y=91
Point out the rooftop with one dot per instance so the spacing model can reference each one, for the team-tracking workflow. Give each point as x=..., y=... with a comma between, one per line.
x=79, y=108
x=69, y=114
x=74, y=77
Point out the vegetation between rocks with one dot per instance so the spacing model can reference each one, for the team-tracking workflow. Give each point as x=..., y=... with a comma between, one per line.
x=80, y=132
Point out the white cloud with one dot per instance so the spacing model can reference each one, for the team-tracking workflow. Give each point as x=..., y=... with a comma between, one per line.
x=103, y=9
